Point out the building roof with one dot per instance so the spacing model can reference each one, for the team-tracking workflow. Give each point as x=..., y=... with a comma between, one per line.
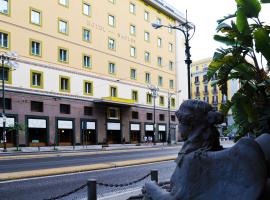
x=167, y=9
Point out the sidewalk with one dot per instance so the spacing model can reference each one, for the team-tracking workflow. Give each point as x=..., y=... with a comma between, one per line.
x=13, y=151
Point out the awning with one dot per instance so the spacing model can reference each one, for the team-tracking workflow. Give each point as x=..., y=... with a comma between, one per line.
x=115, y=100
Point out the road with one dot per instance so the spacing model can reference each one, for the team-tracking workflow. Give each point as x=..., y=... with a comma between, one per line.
x=83, y=158
x=46, y=187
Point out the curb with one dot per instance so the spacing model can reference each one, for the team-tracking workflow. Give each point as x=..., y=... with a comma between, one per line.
x=74, y=169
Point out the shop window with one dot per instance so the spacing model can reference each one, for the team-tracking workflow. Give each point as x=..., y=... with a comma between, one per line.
x=135, y=115
x=149, y=116
x=113, y=113
x=173, y=118
x=161, y=117
x=8, y=104
x=88, y=110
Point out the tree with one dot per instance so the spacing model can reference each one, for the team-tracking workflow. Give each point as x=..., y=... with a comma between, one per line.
x=16, y=127
x=247, y=43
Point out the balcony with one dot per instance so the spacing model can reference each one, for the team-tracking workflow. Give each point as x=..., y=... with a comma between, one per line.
x=205, y=92
x=197, y=93
x=196, y=82
x=214, y=91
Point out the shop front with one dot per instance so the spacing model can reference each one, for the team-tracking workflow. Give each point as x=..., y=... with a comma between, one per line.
x=149, y=132
x=10, y=132
x=65, y=132
x=114, y=132
x=161, y=133
x=37, y=132
x=88, y=132
x=135, y=133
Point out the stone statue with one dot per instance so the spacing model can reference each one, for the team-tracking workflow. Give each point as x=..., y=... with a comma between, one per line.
x=206, y=171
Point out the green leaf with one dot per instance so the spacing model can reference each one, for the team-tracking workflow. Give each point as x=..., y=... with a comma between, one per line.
x=262, y=42
x=251, y=8
x=224, y=40
x=223, y=27
x=226, y=18
x=242, y=22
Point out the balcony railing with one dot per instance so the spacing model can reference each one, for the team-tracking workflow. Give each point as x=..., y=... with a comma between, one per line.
x=196, y=82
x=197, y=93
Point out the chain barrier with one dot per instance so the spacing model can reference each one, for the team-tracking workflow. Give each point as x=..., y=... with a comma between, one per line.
x=68, y=193
x=101, y=184
x=124, y=184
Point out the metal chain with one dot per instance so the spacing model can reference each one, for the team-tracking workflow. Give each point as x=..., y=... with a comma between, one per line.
x=124, y=184
x=68, y=193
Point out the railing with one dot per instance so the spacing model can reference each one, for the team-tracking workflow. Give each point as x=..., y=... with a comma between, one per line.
x=93, y=183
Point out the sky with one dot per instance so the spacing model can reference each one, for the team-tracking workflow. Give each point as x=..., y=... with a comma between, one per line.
x=204, y=14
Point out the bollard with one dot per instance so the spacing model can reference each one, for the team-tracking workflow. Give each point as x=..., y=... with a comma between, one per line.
x=92, y=189
x=154, y=175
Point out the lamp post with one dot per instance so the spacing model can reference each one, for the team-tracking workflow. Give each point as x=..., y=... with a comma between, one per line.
x=185, y=28
x=5, y=58
x=154, y=93
x=169, y=140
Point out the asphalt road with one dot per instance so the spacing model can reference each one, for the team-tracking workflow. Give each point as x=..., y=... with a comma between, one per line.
x=64, y=160
x=47, y=187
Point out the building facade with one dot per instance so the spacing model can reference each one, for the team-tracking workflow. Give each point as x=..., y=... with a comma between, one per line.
x=84, y=67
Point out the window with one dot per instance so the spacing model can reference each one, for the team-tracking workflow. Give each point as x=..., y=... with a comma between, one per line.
x=205, y=79
x=4, y=40
x=65, y=108
x=170, y=65
x=161, y=100
x=159, y=61
x=63, y=55
x=149, y=116
x=173, y=118
x=7, y=75
x=112, y=68
x=4, y=6
x=111, y=44
x=158, y=21
x=86, y=35
x=196, y=79
x=35, y=17
x=64, y=84
x=63, y=2
x=134, y=95
x=113, y=113
x=161, y=117
x=171, y=84
x=146, y=16
x=36, y=79
x=159, y=42
x=205, y=89
x=173, y=102
x=146, y=36
x=113, y=91
x=8, y=103
x=132, y=30
x=36, y=106
x=63, y=26
x=133, y=74
x=86, y=9
x=35, y=48
x=160, y=81
x=135, y=115
x=148, y=98
x=87, y=62
x=147, y=56
x=88, y=88
x=170, y=47
x=132, y=51
x=88, y=110
x=111, y=20
x=147, y=77
x=170, y=29
x=132, y=8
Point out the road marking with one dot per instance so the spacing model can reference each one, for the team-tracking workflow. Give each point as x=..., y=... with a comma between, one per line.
x=81, y=153
x=75, y=173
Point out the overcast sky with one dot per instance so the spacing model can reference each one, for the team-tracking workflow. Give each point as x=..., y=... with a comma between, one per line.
x=204, y=14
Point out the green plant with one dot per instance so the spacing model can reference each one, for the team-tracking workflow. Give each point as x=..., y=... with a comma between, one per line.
x=247, y=43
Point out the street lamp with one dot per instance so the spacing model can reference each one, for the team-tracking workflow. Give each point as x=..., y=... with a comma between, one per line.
x=169, y=141
x=185, y=28
x=154, y=93
x=6, y=58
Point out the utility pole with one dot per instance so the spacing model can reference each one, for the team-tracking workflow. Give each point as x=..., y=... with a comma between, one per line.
x=154, y=93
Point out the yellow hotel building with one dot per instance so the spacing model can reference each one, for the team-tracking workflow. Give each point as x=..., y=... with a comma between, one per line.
x=83, y=71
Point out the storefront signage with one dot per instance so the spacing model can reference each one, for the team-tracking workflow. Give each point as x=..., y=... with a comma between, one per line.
x=149, y=127
x=9, y=122
x=36, y=123
x=113, y=126
x=63, y=124
x=90, y=125
x=162, y=128
x=135, y=127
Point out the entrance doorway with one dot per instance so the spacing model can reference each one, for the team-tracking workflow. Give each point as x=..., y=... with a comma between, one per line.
x=89, y=137
x=65, y=137
x=162, y=136
x=10, y=135
x=114, y=133
x=37, y=137
x=135, y=133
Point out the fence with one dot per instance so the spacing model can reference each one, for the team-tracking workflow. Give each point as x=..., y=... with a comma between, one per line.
x=93, y=183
